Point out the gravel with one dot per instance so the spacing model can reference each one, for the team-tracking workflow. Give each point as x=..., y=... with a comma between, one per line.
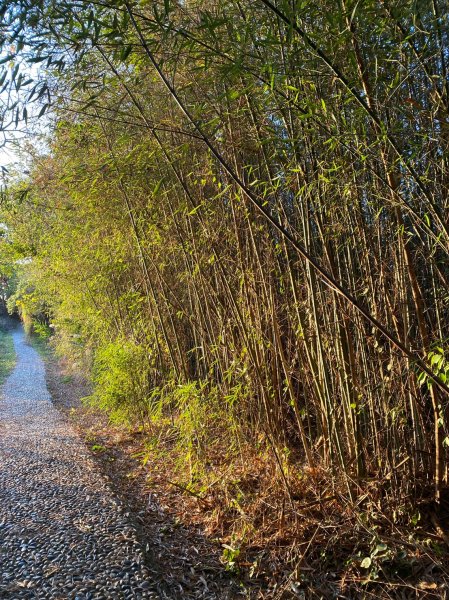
x=63, y=534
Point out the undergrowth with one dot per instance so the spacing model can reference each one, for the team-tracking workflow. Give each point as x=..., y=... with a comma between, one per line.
x=40, y=344
x=7, y=353
x=284, y=528
x=316, y=538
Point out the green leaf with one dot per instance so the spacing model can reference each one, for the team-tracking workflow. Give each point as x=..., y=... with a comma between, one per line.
x=422, y=377
x=7, y=58
x=436, y=359
x=14, y=72
x=42, y=111
x=157, y=187
x=38, y=59
x=125, y=52
x=366, y=562
x=380, y=548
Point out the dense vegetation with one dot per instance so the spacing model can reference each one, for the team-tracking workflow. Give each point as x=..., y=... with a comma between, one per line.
x=7, y=353
x=240, y=228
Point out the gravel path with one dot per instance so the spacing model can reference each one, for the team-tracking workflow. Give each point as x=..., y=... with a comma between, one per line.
x=62, y=533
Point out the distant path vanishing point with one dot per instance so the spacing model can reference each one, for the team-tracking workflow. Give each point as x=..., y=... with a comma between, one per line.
x=63, y=534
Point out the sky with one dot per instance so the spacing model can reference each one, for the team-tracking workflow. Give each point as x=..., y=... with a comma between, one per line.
x=16, y=138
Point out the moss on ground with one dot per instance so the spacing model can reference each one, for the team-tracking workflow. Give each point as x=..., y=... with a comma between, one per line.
x=41, y=345
x=7, y=352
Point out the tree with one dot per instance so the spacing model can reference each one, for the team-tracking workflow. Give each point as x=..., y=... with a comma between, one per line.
x=258, y=209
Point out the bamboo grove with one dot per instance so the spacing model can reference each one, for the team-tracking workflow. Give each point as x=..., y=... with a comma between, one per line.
x=241, y=222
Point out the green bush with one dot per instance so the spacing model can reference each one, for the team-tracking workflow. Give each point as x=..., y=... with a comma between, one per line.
x=7, y=354
x=120, y=377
